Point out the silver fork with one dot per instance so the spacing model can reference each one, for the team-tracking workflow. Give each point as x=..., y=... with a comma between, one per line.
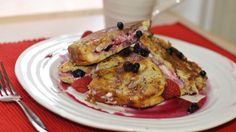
x=8, y=94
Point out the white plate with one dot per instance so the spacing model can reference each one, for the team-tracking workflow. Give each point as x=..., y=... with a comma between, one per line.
x=38, y=76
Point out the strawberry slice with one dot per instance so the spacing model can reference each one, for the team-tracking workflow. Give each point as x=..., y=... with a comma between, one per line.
x=81, y=85
x=171, y=90
x=86, y=33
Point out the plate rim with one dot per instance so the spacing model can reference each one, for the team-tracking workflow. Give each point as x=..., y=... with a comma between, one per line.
x=17, y=72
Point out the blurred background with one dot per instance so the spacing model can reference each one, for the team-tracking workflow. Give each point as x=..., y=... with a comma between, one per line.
x=24, y=19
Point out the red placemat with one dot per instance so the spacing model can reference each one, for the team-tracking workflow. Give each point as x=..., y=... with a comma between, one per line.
x=12, y=118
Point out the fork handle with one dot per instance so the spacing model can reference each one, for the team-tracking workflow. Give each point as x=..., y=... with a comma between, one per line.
x=33, y=118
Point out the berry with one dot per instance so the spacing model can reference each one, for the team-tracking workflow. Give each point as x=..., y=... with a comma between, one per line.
x=81, y=85
x=170, y=50
x=171, y=90
x=144, y=52
x=126, y=52
x=202, y=73
x=128, y=66
x=120, y=25
x=193, y=107
x=86, y=33
x=138, y=34
x=180, y=55
x=137, y=48
x=78, y=73
x=108, y=48
x=135, y=67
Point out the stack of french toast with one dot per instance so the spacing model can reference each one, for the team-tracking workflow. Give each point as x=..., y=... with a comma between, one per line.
x=129, y=66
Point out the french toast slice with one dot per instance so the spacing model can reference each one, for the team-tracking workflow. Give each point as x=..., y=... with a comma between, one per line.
x=187, y=74
x=112, y=84
x=101, y=44
x=67, y=68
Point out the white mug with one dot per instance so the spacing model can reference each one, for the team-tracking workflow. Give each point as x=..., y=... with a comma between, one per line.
x=134, y=10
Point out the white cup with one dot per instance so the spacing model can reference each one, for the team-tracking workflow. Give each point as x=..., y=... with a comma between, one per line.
x=127, y=10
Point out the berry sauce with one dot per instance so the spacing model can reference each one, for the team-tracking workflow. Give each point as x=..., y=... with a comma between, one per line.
x=169, y=109
x=65, y=86
x=172, y=108
x=49, y=55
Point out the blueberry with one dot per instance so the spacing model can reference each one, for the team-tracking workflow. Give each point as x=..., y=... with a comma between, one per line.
x=126, y=52
x=108, y=48
x=137, y=48
x=120, y=25
x=193, y=107
x=170, y=50
x=78, y=73
x=144, y=52
x=202, y=73
x=180, y=55
x=128, y=66
x=135, y=67
x=138, y=34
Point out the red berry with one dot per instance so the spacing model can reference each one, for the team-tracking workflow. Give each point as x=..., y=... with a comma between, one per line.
x=171, y=90
x=86, y=33
x=81, y=84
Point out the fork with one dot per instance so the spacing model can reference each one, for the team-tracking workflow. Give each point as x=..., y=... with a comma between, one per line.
x=8, y=94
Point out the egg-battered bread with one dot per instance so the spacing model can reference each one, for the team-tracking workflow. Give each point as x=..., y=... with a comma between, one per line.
x=66, y=69
x=111, y=84
x=101, y=44
x=174, y=64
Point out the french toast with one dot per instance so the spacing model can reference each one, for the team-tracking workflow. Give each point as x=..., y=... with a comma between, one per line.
x=66, y=70
x=113, y=84
x=130, y=70
x=176, y=67
x=101, y=44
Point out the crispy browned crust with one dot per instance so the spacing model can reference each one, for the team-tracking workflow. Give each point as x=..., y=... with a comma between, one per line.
x=112, y=85
x=186, y=70
x=84, y=51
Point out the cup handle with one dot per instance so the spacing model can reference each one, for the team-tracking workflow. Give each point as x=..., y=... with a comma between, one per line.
x=163, y=6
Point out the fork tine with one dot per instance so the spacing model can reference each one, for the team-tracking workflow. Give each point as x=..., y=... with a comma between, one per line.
x=8, y=80
x=1, y=89
x=2, y=85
